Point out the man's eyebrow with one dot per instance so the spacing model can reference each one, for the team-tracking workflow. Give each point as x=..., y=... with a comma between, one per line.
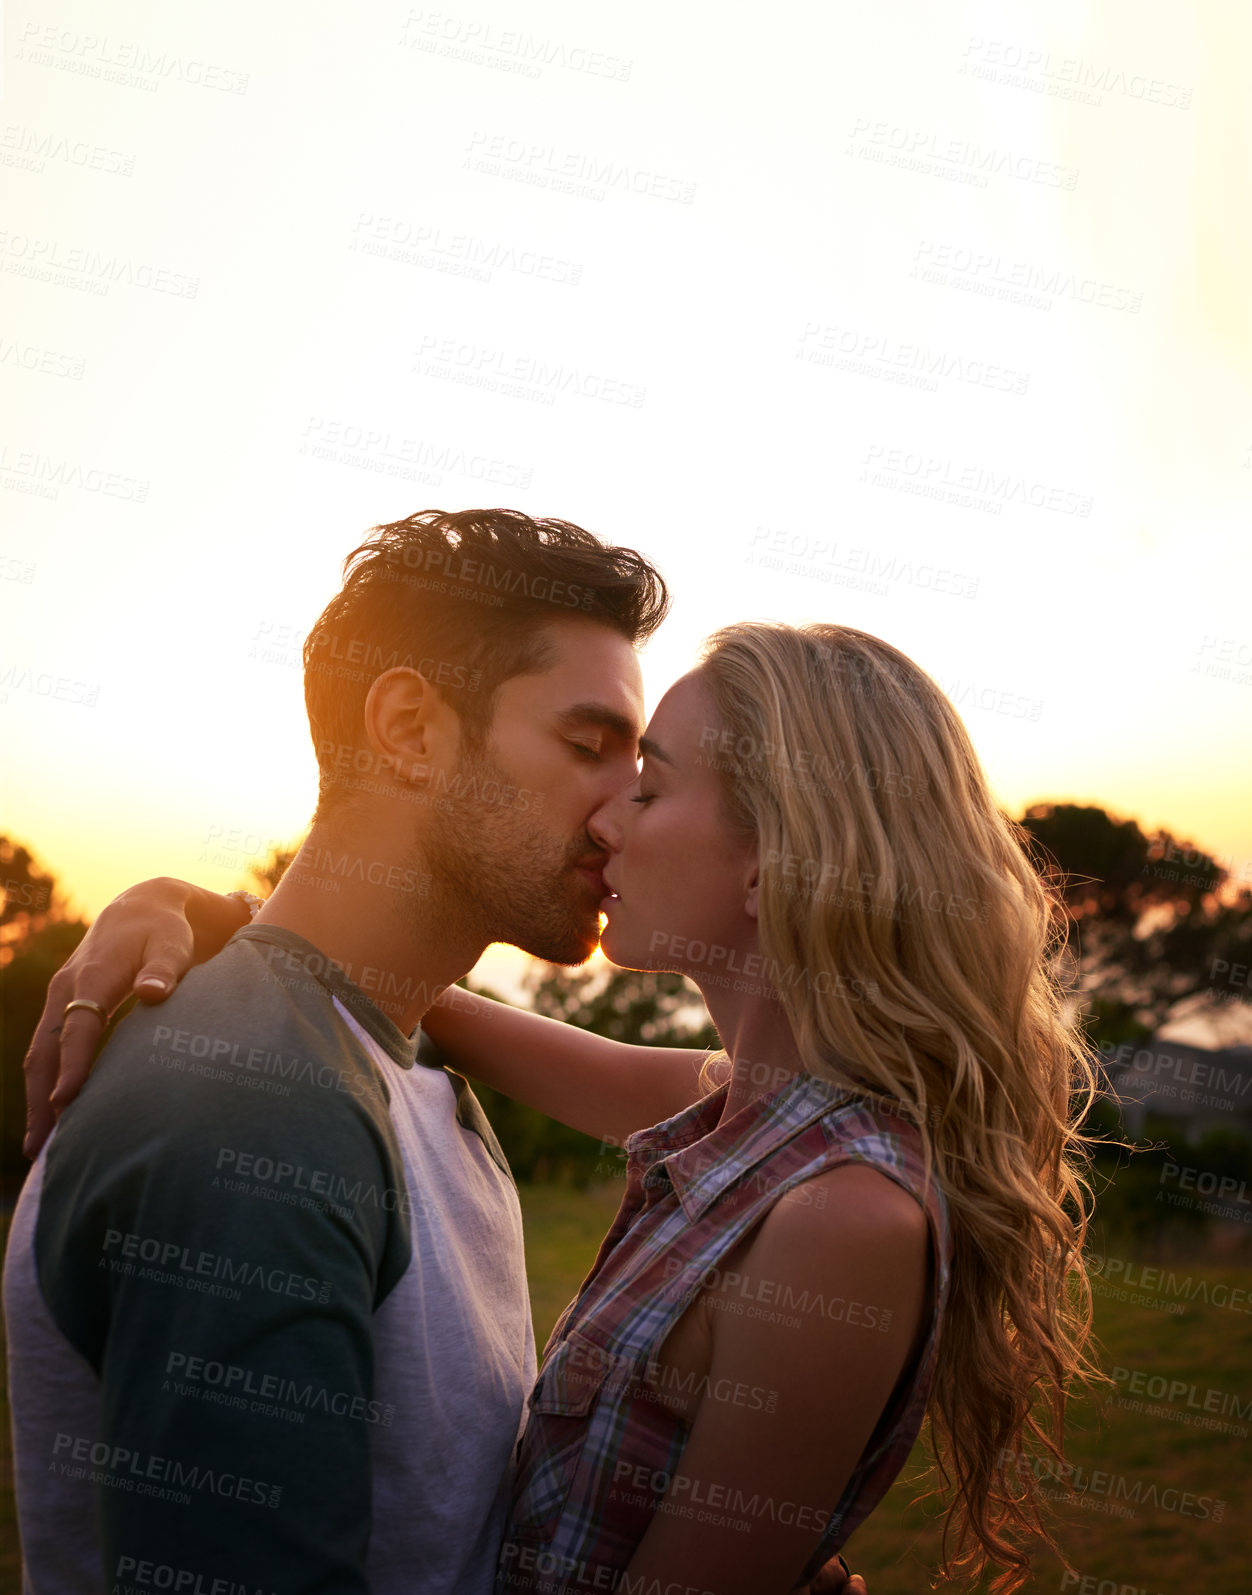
x=654, y=750
x=599, y=714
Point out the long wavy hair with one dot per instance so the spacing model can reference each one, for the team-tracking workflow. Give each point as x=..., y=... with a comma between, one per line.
x=884, y=859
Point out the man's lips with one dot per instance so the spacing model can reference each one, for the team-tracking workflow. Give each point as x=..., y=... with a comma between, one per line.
x=593, y=874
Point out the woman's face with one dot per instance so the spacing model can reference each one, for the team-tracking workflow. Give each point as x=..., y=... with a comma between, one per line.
x=681, y=876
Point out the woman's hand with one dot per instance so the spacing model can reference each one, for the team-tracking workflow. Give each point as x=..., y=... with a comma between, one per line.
x=144, y=942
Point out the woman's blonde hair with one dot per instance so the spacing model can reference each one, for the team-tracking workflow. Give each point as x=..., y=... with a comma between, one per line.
x=885, y=861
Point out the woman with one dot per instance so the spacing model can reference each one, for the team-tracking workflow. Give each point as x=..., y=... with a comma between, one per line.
x=875, y=1212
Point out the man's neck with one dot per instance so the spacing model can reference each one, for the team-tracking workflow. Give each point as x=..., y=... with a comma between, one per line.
x=373, y=921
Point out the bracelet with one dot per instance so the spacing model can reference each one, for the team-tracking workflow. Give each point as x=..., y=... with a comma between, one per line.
x=251, y=902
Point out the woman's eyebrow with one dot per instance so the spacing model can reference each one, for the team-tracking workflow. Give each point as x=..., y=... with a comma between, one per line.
x=654, y=751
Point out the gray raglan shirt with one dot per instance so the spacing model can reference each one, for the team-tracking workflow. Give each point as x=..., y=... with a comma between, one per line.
x=266, y=1304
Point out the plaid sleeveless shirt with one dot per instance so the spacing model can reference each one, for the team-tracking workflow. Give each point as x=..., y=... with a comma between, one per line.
x=694, y=1190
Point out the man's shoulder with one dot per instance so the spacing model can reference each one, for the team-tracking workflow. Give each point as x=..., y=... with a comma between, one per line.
x=232, y=1045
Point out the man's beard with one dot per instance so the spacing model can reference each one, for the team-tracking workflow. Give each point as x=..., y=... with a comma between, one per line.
x=494, y=875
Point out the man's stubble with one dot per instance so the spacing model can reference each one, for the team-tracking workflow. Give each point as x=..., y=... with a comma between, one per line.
x=496, y=874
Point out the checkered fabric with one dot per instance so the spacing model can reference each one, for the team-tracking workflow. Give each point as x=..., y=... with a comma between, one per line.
x=694, y=1189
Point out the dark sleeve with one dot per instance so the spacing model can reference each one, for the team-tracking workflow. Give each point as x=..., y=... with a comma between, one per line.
x=218, y=1253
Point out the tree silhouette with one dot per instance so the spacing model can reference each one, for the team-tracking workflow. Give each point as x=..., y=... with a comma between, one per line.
x=1152, y=917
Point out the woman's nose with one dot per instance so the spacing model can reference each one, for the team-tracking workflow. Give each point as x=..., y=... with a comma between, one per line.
x=605, y=825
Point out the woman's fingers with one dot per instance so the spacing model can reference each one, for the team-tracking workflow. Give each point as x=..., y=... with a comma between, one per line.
x=136, y=945
x=833, y=1579
x=64, y=1043
x=80, y=1035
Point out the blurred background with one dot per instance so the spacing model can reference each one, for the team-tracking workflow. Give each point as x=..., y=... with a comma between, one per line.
x=931, y=322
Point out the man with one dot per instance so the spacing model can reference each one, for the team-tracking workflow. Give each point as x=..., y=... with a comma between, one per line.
x=267, y=1308
x=267, y=1311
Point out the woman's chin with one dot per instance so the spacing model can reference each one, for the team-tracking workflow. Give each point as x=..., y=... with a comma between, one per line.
x=623, y=949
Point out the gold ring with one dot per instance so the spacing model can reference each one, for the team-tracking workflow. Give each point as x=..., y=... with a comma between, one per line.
x=86, y=1002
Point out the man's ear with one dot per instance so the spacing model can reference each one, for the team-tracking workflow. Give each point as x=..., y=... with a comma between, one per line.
x=410, y=725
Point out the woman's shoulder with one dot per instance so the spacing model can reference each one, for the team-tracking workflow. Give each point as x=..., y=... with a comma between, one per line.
x=854, y=1208
x=854, y=1256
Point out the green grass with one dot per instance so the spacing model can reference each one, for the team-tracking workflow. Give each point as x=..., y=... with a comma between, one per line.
x=1155, y=1551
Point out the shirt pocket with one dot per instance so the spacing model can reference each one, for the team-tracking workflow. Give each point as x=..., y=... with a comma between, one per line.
x=561, y=1405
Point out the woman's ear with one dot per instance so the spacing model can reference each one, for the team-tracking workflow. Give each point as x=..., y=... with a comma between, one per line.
x=752, y=886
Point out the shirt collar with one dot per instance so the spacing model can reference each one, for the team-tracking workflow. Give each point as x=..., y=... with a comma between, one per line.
x=293, y=958
x=700, y=1158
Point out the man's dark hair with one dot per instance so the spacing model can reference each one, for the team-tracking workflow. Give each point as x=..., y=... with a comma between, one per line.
x=463, y=598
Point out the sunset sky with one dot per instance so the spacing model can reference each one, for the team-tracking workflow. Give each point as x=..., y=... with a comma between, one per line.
x=931, y=321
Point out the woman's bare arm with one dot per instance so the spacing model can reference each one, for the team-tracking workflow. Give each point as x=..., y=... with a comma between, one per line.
x=146, y=940
x=604, y=1088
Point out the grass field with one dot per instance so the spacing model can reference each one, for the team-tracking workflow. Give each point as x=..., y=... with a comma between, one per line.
x=1129, y=1529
